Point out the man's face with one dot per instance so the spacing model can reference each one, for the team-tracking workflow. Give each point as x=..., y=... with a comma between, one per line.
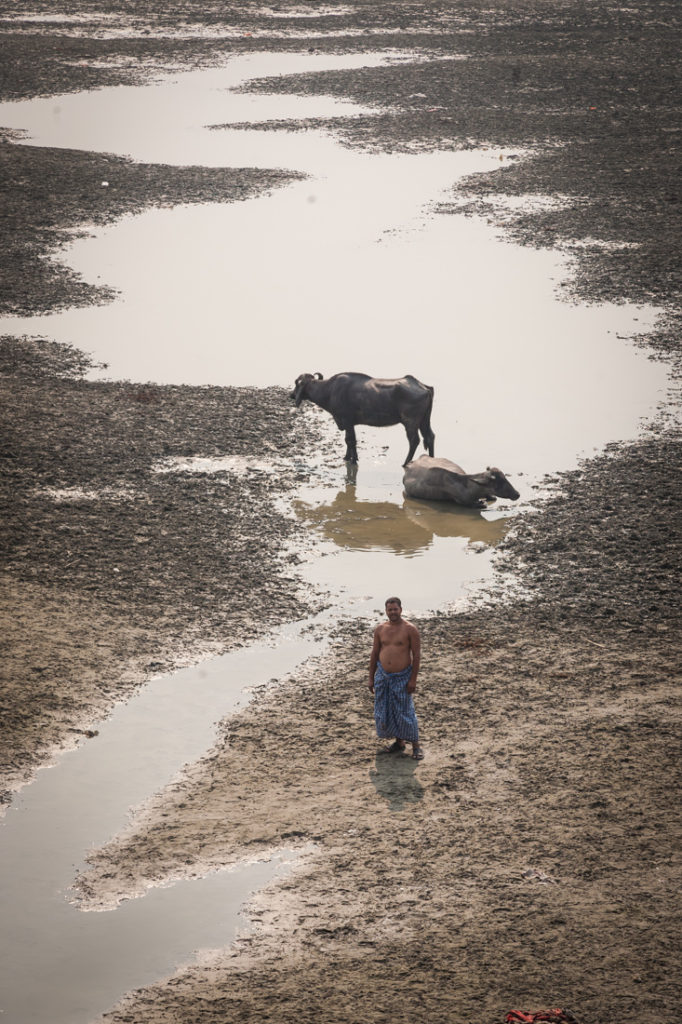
x=393, y=611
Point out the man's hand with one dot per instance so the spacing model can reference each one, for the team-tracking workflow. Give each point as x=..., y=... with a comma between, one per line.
x=412, y=685
x=370, y=686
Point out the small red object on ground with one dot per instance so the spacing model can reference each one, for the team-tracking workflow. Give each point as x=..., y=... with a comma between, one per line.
x=556, y=1016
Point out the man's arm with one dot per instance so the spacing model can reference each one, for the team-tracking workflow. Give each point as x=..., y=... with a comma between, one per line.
x=416, y=648
x=373, y=659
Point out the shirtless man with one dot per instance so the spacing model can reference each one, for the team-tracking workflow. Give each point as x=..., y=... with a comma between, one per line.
x=393, y=670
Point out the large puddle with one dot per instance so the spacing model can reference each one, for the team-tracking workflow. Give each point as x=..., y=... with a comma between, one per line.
x=347, y=270
x=350, y=269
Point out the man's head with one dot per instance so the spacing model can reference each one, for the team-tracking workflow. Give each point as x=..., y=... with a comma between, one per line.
x=394, y=608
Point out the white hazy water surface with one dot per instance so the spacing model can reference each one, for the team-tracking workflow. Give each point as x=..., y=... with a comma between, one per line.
x=349, y=269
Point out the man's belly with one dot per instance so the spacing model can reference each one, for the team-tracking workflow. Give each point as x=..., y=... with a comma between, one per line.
x=394, y=661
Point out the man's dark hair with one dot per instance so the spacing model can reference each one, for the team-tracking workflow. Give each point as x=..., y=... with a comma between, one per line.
x=393, y=600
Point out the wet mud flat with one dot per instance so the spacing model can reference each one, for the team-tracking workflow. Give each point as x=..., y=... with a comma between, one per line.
x=116, y=566
x=533, y=858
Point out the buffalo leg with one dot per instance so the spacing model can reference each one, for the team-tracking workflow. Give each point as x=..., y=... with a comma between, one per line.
x=413, y=438
x=429, y=439
x=351, y=446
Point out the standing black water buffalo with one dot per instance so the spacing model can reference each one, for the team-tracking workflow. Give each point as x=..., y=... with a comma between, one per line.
x=354, y=398
x=442, y=480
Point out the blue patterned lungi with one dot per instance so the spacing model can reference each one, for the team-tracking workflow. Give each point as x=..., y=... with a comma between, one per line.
x=394, y=712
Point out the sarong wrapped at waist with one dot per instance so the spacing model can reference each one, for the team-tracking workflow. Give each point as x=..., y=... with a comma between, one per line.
x=394, y=712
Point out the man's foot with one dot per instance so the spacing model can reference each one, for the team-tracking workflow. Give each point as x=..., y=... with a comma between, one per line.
x=395, y=748
x=417, y=753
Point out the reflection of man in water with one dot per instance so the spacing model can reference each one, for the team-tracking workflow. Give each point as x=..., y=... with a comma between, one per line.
x=393, y=669
x=396, y=781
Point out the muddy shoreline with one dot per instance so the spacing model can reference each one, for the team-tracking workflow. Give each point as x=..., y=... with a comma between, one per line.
x=550, y=719
x=117, y=566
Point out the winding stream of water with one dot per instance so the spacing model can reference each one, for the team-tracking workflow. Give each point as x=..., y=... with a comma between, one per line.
x=63, y=966
x=348, y=269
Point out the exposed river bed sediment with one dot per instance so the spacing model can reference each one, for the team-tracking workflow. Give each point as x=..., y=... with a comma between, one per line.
x=240, y=197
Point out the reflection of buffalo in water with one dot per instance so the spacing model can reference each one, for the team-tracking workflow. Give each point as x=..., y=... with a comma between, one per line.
x=365, y=525
x=405, y=529
x=442, y=520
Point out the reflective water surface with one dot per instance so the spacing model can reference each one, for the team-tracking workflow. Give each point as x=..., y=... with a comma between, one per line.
x=404, y=529
x=372, y=539
x=59, y=965
x=349, y=269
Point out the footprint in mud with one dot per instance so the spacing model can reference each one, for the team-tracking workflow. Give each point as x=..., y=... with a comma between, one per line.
x=394, y=779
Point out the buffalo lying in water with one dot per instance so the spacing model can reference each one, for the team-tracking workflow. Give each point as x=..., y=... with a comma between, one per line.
x=442, y=480
x=355, y=398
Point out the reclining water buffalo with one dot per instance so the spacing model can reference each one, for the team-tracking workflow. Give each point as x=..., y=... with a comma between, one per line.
x=355, y=398
x=442, y=480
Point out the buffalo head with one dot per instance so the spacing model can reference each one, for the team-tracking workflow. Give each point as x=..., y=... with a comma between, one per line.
x=499, y=486
x=300, y=385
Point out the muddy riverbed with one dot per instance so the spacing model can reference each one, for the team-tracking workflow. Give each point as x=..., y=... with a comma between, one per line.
x=532, y=859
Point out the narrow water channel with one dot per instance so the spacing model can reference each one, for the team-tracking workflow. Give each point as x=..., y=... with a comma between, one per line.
x=349, y=269
x=59, y=965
